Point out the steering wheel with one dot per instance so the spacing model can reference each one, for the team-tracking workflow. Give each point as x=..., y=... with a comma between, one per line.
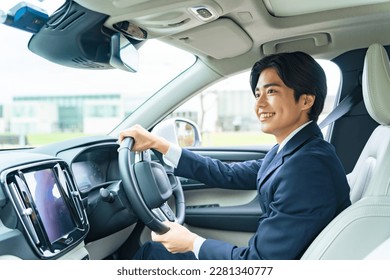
x=148, y=186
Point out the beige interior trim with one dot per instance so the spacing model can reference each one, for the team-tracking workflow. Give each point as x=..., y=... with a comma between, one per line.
x=9, y=257
x=219, y=39
x=77, y=253
x=99, y=249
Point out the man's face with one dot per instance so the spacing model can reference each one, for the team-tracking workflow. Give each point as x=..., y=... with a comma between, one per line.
x=276, y=108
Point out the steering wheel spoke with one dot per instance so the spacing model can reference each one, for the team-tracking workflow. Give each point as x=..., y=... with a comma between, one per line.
x=164, y=213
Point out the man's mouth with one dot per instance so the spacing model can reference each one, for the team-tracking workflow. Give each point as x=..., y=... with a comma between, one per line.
x=264, y=116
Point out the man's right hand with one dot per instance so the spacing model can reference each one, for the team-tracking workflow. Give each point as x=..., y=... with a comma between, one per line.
x=144, y=140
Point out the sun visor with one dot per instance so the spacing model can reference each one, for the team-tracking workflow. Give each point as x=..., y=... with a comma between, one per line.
x=311, y=43
x=219, y=39
x=285, y=8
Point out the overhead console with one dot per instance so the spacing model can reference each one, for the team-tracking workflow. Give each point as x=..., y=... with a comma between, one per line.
x=47, y=205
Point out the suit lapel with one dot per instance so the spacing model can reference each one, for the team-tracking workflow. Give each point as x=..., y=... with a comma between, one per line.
x=268, y=158
x=269, y=164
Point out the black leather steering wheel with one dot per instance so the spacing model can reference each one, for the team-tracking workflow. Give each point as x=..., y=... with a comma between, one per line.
x=148, y=186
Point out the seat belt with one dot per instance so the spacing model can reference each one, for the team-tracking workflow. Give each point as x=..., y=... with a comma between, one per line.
x=345, y=106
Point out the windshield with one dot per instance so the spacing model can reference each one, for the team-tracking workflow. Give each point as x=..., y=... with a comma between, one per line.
x=43, y=102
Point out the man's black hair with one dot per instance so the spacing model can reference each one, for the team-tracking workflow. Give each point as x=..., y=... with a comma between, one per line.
x=298, y=71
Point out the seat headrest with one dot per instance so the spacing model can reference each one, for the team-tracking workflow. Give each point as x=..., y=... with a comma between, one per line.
x=376, y=84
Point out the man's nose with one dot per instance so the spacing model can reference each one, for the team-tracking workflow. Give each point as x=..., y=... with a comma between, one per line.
x=261, y=100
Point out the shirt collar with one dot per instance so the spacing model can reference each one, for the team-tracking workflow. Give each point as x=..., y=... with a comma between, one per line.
x=291, y=135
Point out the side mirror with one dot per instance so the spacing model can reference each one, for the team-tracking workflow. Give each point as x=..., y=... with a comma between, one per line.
x=182, y=132
x=125, y=58
x=187, y=133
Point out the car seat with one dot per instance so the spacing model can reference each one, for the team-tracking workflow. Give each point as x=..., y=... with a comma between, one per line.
x=363, y=229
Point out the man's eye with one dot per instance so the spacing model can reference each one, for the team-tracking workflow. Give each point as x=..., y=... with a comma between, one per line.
x=270, y=91
x=257, y=95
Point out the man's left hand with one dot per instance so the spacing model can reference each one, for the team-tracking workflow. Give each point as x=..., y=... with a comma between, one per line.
x=177, y=240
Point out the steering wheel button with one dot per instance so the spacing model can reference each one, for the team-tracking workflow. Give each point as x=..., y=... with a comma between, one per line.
x=168, y=212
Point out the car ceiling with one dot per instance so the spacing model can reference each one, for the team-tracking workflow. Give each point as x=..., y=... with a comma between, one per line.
x=242, y=31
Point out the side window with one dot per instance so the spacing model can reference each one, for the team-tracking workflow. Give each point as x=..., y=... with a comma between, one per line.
x=225, y=113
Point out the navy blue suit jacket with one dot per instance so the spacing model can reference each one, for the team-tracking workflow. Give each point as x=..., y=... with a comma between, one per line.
x=300, y=190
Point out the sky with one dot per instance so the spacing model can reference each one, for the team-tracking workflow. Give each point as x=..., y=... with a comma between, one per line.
x=19, y=74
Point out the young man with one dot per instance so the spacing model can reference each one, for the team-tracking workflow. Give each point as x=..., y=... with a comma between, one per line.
x=301, y=183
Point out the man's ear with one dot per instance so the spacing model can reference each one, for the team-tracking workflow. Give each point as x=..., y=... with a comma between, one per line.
x=308, y=101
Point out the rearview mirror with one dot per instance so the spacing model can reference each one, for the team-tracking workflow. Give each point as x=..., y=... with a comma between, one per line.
x=123, y=57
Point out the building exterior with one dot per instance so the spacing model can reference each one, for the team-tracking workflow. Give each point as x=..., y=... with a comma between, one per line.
x=69, y=113
x=99, y=113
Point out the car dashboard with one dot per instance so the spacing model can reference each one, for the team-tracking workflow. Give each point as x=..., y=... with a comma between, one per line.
x=56, y=199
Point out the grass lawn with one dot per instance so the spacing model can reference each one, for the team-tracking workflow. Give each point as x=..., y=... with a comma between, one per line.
x=40, y=139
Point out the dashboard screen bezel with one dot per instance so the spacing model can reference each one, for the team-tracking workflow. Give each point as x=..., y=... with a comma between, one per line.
x=20, y=191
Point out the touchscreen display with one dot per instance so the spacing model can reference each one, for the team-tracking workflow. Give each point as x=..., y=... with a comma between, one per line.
x=50, y=204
